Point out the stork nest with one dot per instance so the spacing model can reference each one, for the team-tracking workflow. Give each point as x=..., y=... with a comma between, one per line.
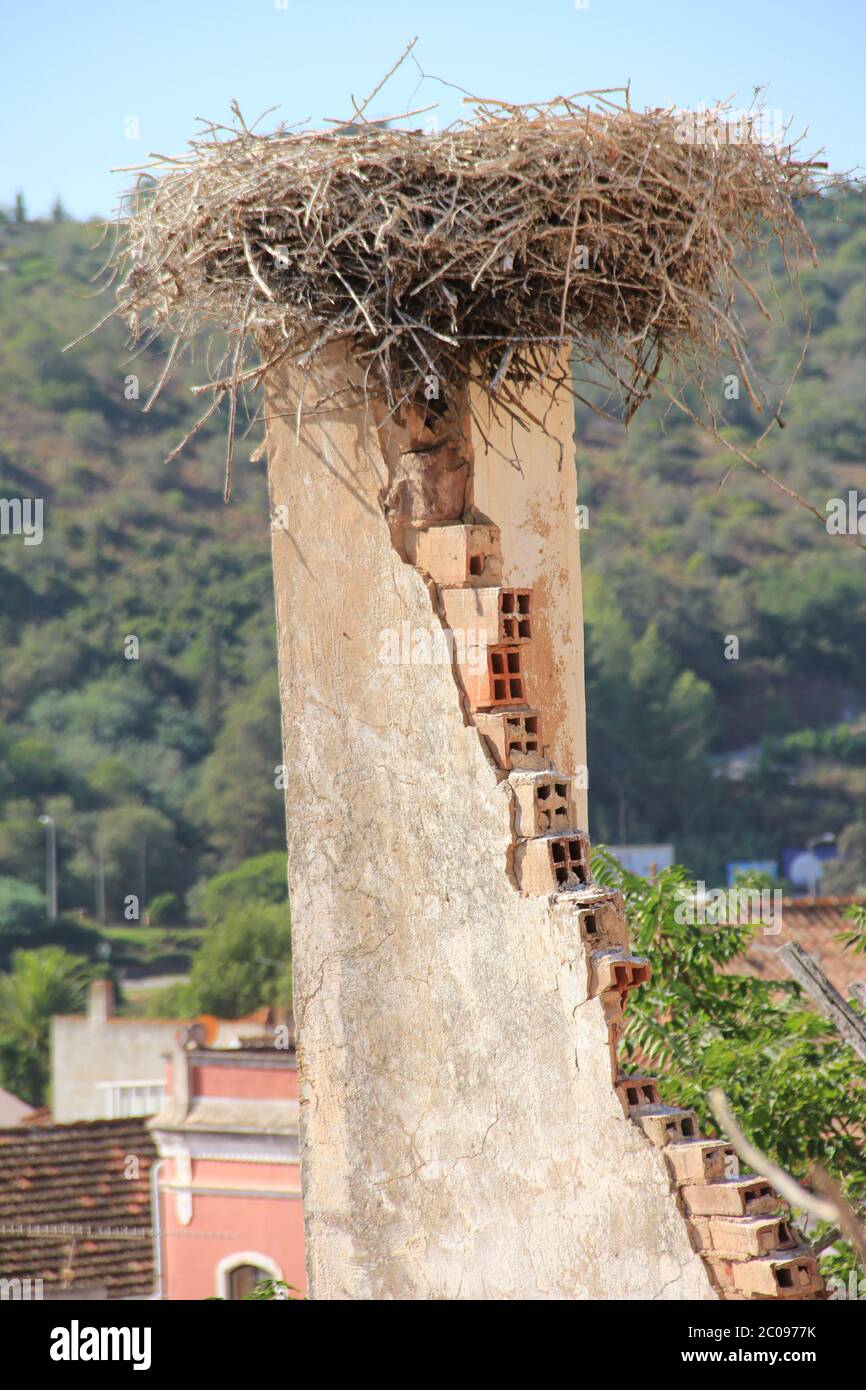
x=472, y=254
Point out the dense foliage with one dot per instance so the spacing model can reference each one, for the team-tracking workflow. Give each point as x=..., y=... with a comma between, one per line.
x=734, y=758
x=160, y=771
x=794, y=1085
x=157, y=766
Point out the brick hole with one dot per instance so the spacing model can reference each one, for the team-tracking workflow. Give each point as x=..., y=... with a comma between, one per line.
x=524, y=628
x=688, y=1129
x=531, y=724
x=497, y=663
x=476, y=564
x=513, y=661
x=758, y=1193
x=523, y=603
x=560, y=817
x=632, y=1095
x=513, y=721
x=500, y=690
x=673, y=1127
x=649, y=1094
x=590, y=925
x=516, y=687
x=557, y=850
x=508, y=627
x=506, y=601
x=544, y=820
x=543, y=791
x=561, y=874
x=784, y=1279
x=784, y=1231
x=515, y=747
x=621, y=976
x=531, y=746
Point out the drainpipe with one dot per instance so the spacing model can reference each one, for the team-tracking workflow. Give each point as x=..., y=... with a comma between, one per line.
x=157, y=1226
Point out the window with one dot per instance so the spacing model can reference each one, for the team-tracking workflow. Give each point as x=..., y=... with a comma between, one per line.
x=134, y=1098
x=238, y=1274
x=243, y=1279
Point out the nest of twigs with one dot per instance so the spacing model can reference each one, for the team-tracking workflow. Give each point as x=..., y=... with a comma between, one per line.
x=466, y=254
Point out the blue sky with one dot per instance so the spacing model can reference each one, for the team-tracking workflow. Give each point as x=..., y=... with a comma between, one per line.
x=75, y=72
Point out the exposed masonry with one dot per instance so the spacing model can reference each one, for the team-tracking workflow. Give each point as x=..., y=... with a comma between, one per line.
x=736, y=1223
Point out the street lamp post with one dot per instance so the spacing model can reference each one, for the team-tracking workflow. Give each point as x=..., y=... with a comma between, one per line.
x=51, y=866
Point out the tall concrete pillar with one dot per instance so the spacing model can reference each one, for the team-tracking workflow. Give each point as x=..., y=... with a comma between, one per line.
x=458, y=989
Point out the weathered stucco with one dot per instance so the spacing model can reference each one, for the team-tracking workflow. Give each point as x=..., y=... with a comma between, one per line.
x=527, y=484
x=460, y=1136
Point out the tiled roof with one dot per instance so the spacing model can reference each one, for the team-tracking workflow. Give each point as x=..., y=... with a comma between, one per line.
x=815, y=924
x=75, y=1206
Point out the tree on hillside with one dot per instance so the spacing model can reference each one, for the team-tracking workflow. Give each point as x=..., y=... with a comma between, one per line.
x=262, y=879
x=23, y=911
x=240, y=772
x=40, y=984
x=19, y=212
x=141, y=853
x=846, y=874
x=648, y=749
x=243, y=963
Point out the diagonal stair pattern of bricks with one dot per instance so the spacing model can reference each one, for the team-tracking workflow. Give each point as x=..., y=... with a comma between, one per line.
x=737, y=1223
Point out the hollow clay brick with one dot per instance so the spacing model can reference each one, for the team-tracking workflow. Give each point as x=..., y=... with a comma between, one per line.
x=457, y=554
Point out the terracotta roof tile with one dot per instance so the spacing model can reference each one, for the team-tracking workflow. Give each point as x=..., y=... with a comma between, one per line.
x=69, y=1214
x=815, y=924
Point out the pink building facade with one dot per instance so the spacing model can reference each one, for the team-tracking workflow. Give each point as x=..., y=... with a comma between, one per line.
x=227, y=1187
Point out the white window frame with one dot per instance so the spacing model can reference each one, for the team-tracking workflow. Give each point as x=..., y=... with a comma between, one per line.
x=244, y=1257
x=152, y=1096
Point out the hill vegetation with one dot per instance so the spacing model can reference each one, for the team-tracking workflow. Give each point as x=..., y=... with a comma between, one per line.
x=156, y=757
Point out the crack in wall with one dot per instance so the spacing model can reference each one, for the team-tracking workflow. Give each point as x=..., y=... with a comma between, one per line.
x=434, y=527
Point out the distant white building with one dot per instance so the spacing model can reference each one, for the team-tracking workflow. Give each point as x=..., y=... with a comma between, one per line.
x=645, y=860
x=108, y=1068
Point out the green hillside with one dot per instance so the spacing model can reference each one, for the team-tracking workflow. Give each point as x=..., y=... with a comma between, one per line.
x=162, y=768
x=164, y=765
x=673, y=566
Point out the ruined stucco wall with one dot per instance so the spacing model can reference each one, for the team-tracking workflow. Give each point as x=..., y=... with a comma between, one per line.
x=528, y=485
x=460, y=1136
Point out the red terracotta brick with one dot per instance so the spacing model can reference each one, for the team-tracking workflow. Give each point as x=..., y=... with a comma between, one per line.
x=751, y=1235
x=615, y=970
x=665, y=1124
x=551, y=862
x=513, y=737
x=698, y=1228
x=498, y=615
x=791, y=1276
x=543, y=801
x=698, y=1161
x=636, y=1090
x=595, y=913
x=499, y=681
x=748, y=1196
x=457, y=554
